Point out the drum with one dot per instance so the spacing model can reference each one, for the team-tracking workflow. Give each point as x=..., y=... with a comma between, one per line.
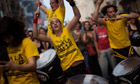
x=48, y=68
x=128, y=70
x=87, y=79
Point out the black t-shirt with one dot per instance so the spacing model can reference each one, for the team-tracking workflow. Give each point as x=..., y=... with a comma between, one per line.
x=135, y=37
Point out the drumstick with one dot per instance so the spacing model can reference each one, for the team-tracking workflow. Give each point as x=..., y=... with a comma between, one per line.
x=38, y=7
x=111, y=19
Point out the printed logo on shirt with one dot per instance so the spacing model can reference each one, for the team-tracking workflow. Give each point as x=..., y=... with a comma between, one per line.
x=136, y=35
x=17, y=56
x=19, y=59
x=64, y=44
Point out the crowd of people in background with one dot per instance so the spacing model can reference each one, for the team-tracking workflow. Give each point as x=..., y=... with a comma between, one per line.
x=102, y=41
x=92, y=40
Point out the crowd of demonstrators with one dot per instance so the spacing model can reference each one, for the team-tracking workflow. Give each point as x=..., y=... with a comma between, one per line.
x=115, y=25
x=78, y=36
x=94, y=45
x=90, y=47
x=72, y=60
x=80, y=51
x=22, y=52
x=134, y=34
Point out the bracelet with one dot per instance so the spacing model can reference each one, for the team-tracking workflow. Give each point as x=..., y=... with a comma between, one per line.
x=72, y=3
x=35, y=21
x=39, y=4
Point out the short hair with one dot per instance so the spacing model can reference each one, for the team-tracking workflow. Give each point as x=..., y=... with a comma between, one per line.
x=104, y=9
x=11, y=27
x=57, y=1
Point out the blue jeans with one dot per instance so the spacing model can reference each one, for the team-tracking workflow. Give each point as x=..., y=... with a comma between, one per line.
x=85, y=54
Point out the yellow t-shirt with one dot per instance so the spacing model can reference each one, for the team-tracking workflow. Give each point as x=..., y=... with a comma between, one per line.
x=1, y=77
x=20, y=56
x=117, y=33
x=139, y=18
x=58, y=13
x=66, y=49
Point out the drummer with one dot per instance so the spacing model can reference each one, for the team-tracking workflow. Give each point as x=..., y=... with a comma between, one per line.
x=115, y=25
x=71, y=58
x=21, y=68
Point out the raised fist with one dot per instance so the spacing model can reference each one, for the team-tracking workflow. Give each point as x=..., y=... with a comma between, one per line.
x=100, y=1
x=36, y=14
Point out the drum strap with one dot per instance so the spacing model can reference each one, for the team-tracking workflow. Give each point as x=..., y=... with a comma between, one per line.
x=130, y=51
x=116, y=54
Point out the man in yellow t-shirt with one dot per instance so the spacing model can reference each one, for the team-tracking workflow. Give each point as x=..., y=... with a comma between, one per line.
x=21, y=67
x=58, y=11
x=115, y=25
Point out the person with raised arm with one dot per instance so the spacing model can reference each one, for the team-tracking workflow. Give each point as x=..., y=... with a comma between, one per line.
x=58, y=11
x=115, y=25
x=72, y=60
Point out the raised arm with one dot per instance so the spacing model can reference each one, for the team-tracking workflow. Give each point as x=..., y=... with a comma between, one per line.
x=96, y=12
x=129, y=16
x=35, y=30
x=76, y=17
x=43, y=8
x=61, y=3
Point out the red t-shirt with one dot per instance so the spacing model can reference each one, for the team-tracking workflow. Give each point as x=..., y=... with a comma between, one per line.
x=102, y=34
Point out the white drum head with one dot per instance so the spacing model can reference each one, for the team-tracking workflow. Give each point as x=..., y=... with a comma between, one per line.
x=45, y=58
x=126, y=66
x=87, y=79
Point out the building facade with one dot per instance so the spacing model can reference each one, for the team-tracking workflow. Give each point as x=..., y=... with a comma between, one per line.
x=86, y=8
x=13, y=9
